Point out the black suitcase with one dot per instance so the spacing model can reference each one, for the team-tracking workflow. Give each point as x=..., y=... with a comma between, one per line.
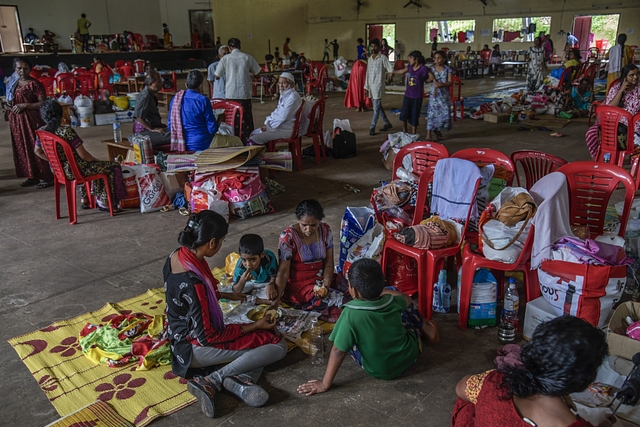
x=344, y=145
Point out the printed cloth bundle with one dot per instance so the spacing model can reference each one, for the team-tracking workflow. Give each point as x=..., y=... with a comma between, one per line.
x=125, y=338
x=428, y=235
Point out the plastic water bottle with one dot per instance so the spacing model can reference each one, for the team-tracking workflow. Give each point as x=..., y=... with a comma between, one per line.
x=74, y=121
x=117, y=133
x=607, y=157
x=510, y=305
x=441, y=294
x=316, y=345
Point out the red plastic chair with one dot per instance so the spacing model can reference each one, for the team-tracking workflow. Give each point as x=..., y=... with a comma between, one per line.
x=174, y=81
x=424, y=155
x=67, y=83
x=294, y=141
x=565, y=76
x=139, y=42
x=126, y=71
x=152, y=41
x=87, y=84
x=535, y=165
x=609, y=118
x=119, y=63
x=139, y=65
x=49, y=87
x=50, y=144
x=591, y=185
x=555, y=59
x=429, y=262
x=104, y=84
x=314, y=131
x=472, y=260
x=588, y=73
x=456, y=99
x=232, y=113
x=195, y=42
x=486, y=156
x=596, y=104
x=318, y=78
x=635, y=160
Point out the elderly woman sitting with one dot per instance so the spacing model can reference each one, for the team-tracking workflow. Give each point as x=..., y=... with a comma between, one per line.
x=191, y=118
x=306, y=257
x=51, y=112
x=279, y=124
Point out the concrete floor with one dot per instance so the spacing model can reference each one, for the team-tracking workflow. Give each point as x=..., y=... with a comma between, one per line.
x=52, y=271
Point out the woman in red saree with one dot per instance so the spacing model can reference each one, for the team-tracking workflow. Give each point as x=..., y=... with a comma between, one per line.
x=355, y=97
x=306, y=256
x=25, y=98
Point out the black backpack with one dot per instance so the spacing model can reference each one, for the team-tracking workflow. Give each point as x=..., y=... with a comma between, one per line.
x=344, y=145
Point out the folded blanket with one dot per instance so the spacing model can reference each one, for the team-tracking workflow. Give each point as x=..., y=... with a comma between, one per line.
x=454, y=184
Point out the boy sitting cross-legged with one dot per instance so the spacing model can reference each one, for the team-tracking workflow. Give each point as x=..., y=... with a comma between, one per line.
x=380, y=329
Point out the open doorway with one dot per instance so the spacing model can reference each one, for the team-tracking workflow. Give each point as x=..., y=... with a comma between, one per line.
x=595, y=31
x=10, y=33
x=383, y=31
x=201, y=24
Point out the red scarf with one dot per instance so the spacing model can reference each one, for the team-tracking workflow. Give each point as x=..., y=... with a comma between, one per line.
x=203, y=271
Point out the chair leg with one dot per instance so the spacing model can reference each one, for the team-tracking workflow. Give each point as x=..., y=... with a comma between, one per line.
x=425, y=291
x=297, y=152
x=109, y=199
x=71, y=202
x=56, y=189
x=466, y=284
x=532, y=285
x=461, y=109
x=316, y=148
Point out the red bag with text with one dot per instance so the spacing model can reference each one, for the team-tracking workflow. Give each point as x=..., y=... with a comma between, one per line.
x=152, y=193
x=132, y=200
x=402, y=272
x=582, y=290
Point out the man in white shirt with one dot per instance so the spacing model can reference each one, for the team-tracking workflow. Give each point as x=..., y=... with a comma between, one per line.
x=279, y=124
x=378, y=66
x=238, y=68
x=217, y=87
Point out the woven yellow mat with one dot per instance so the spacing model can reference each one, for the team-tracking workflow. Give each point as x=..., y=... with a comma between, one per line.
x=71, y=381
x=96, y=414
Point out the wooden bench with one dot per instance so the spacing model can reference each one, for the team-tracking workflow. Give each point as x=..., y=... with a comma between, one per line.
x=164, y=98
x=115, y=149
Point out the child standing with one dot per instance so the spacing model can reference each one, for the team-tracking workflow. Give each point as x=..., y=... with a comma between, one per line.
x=256, y=269
x=412, y=102
x=439, y=113
x=376, y=329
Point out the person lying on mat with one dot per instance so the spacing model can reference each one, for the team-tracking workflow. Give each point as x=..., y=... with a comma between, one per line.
x=306, y=258
x=380, y=328
x=562, y=357
x=198, y=334
x=279, y=124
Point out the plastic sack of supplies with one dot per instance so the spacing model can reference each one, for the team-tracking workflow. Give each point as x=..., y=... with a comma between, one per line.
x=355, y=223
x=206, y=197
x=151, y=189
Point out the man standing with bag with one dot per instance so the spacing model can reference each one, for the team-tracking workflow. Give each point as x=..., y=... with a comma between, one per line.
x=238, y=68
x=378, y=66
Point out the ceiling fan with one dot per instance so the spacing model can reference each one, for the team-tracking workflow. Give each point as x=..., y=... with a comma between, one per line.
x=359, y=4
x=413, y=2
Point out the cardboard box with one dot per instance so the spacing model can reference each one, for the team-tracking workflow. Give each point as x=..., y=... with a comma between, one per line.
x=537, y=311
x=619, y=344
x=104, y=119
x=497, y=117
x=124, y=116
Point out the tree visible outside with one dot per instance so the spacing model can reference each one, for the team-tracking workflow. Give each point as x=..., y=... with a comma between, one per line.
x=604, y=27
x=447, y=30
x=543, y=23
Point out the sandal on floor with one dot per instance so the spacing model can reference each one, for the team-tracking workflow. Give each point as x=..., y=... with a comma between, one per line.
x=29, y=182
x=202, y=389
x=115, y=210
x=44, y=184
x=251, y=394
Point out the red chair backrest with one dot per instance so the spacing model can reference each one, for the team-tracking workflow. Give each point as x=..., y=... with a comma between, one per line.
x=486, y=156
x=486, y=55
x=296, y=127
x=535, y=165
x=50, y=144
x=174, y=81
x=566, y=75
x=316, y=117
x=86, y=83
x=119, y=63
x=126, y=70
x=138, y=38
x=232, y=114
x=455, y=88
x=139, y=65
x=591, y=185
x=66, y=82
x=47, y=82
x=424, y=156
x=609, y=119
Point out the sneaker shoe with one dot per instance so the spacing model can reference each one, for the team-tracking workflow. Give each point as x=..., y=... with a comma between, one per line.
x=251, y=394
x=204, y=391
x=386, y=127
x=372, y=131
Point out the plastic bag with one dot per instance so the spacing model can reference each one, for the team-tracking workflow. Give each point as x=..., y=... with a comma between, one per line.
x=355, y=223
x=82, y=101
x=484, y=294
x=225, y=129
x=402, y=272
x=342, y=124
x=132, y=200
x=152, y=193
x=340, y=66
x=230, y=263
x=206, y=197
x=65, y=99
x=368, y=246
x=255, y=206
